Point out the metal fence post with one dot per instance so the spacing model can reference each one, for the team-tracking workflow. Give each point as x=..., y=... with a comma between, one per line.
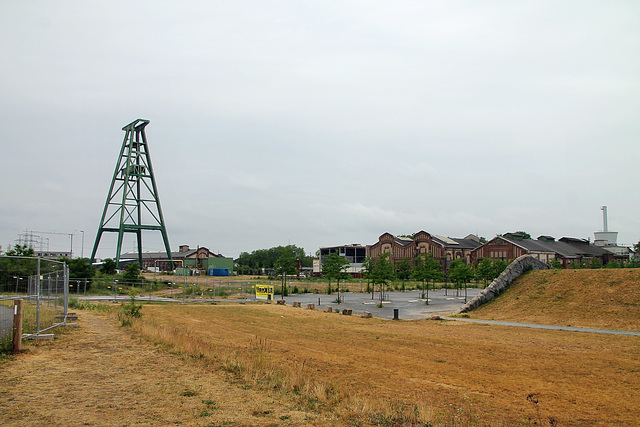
x=65, y=270
x=38, y=298
x=17, y=326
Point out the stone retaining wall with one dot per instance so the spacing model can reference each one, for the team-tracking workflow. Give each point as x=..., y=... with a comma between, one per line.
x=514, y=270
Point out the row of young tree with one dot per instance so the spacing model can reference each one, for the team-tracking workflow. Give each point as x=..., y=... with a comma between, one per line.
x=425, y=269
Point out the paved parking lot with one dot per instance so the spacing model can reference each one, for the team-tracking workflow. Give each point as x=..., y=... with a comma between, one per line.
x=410, y=305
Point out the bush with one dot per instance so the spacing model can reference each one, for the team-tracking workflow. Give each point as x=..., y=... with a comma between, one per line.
x=130, y=311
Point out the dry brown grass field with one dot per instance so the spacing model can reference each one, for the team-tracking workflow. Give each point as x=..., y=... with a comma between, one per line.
x=479, y=373
x=103, y=375
x=243, y=365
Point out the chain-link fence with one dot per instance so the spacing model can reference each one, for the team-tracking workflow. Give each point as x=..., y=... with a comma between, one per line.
x=6, y=319
x=43, y=284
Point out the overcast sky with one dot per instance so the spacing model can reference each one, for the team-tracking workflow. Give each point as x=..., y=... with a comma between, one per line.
x=320, y=123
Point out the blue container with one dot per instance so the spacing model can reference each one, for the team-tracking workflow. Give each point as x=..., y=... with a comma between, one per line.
x=218, y=272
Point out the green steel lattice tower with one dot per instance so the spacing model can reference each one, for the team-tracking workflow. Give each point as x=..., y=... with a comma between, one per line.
x=133, y=204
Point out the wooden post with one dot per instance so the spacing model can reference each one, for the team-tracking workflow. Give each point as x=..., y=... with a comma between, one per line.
x=17, y=326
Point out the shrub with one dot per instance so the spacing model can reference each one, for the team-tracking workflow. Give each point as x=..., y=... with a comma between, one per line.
x=129, y=311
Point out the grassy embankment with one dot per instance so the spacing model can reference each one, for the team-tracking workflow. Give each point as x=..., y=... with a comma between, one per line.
x=604, y=298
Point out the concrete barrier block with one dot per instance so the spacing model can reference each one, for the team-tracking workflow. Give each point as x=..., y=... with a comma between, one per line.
x=366, y=315
x=328, y=309
x=311, y=306
x=296, y=304
x=347, y=312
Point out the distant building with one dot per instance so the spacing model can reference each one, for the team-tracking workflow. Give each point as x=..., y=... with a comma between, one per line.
x=200, y=259
x=52, y=254
x=355, y=254
x=443, y=249
x=609, y=239
x=567, y=250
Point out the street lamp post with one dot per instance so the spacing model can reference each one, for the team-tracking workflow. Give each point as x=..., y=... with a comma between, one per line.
x=17, y=279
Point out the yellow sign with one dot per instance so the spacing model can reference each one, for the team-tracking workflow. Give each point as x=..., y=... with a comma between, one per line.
x=264, y=292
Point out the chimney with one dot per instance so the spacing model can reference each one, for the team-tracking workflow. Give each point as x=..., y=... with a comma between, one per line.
x=604, y=219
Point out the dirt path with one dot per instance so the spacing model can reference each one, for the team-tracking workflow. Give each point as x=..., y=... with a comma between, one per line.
x=99, y=375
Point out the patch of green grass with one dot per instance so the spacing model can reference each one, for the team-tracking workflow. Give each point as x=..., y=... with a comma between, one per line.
x=76, y=304
x=6, y=346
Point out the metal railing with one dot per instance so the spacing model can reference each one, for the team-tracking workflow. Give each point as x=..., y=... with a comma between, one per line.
x=43, y=284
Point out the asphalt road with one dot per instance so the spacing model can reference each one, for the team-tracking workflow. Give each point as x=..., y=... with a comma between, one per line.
x=552, y=327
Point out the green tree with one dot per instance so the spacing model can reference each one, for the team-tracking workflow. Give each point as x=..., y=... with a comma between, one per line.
x=131, y=273
x=367, y=269
x=524, y=234
x=427, y=269
x=19, y=269
x=518, y=235
x=266, y=258
x=460, y=272
x=499, y=265
x=484, y=269
x=382, y=273
x=595, y=263
x=614, y=264
x=555, y=263
x=20, y=250
x=403, y=270
x=489, y=268
x=334, y=267
x=284, y=265
x=578, y=264
x=79, y=268
x=109, y=267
